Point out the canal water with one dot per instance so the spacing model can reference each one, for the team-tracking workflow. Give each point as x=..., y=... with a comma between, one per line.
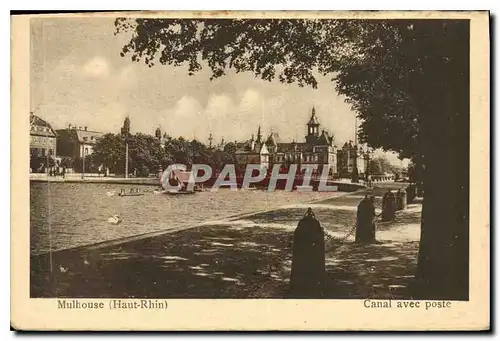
x=65, y=215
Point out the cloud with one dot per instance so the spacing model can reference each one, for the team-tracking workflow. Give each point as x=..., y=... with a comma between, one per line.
x=128, y=76
x=97, y=67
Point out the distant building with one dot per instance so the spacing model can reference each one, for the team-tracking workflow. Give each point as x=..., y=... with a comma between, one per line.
x=75, y=142
x=318, y=149
x=43, y=139
x=350, y=155
x=253, y=151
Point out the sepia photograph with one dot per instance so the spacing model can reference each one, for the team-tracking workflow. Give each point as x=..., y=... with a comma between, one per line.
x=298, y=158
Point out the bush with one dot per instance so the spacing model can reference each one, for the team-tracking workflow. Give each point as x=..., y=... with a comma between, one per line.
x=143, y=171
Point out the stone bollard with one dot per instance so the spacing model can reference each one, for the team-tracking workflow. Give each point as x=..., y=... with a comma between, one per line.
x=308, y=259
x=411, y=193
x=401, y=199
x=365, y=223
x=388, y=206
x=420, y=189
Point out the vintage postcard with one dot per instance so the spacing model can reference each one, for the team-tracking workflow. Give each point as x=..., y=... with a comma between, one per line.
x=251, y=171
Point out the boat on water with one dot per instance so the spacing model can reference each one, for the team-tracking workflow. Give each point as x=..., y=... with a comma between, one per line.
x=178, y=182
x=134, y=192
x=178, y=192
x=130, y=194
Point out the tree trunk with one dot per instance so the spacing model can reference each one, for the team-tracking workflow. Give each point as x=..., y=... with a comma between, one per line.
x=443, y=260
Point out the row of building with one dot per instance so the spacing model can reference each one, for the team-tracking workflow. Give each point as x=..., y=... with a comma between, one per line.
x=73, y=141
x=318, y=149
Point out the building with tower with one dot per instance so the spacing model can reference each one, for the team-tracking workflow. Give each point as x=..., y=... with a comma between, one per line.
x=254, y=151
x=318, y=149
x=349, y=156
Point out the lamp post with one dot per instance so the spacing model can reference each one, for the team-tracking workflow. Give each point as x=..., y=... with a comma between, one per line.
x=355, y=173
x=126, y=134
x=369, y=152
x=126, y=157
x=83, y=162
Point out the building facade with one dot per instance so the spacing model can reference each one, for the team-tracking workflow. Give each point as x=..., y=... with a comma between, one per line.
x=318, y=150
x=253, y=152
x=350, y=156
x=76, y=142
x=43, y=139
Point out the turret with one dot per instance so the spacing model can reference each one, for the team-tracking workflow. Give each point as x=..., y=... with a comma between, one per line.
x=312, y=128
x=259, y=136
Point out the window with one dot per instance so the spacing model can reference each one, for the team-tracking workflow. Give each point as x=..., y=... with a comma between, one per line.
x=51, y=151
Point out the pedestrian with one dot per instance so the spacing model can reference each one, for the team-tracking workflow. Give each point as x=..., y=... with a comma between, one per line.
x=63, y=173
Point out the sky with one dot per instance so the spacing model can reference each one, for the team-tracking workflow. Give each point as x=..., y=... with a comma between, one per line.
x=79, y=77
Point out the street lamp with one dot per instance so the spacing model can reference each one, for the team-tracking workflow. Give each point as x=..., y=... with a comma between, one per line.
x=126, y=157
x=355, y=172
x=126, y=134
x=369, y=152
x=85, y=152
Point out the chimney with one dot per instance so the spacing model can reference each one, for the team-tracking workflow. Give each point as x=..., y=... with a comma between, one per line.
x=85, y=128
x=69, y=126
x=222, y=142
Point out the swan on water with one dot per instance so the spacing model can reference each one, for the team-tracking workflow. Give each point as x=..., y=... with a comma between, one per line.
x=114, y=220
x=110, y=194
x=62, y=269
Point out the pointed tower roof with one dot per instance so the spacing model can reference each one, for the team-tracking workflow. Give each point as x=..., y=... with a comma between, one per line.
x=273, y=139
x=313, y=121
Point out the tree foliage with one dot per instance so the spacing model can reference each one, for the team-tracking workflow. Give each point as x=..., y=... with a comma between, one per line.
x=379, y=165
x=147, y=154
x=109, y=151
x=126, y=127
x=363, y=58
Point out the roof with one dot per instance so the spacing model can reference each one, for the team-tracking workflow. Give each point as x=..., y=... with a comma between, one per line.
x=41, y=127
x=348, y=145
x=87, y=136
x=82, y=136
x=273, y=139
x=325, y=138
x=295, y=146
x=313, y=120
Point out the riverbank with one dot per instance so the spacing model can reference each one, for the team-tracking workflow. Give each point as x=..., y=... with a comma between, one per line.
x=239, y=257
x=343, y=185
x=93, y=178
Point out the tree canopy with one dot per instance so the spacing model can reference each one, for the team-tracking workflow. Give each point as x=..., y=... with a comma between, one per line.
x=367, y=59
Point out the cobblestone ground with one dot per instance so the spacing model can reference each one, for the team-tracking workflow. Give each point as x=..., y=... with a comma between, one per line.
x=239, y=258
